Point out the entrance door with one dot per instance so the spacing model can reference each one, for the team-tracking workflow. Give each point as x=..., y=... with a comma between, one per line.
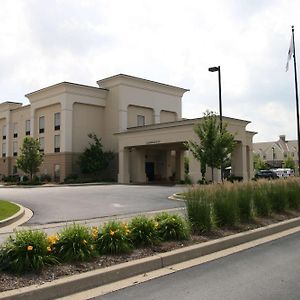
x=149, y=170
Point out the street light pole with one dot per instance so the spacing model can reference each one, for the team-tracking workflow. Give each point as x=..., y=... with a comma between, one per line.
x=218, y=69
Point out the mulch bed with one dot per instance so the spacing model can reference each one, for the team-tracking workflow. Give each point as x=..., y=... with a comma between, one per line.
x=12, y=281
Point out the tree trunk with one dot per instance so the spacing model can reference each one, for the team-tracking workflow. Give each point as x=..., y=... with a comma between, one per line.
x=212, y=174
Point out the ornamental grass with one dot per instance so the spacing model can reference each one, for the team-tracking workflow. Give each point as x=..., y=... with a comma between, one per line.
x=25, y=252
x=172, y=227
x=114, y=238
x=74, y=243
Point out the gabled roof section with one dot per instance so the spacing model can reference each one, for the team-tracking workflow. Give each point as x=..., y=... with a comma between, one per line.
x=123, y=79
x=65, y=87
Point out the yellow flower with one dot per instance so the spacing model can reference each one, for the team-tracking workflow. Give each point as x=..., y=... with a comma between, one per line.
x=29, y=248
x=95, y=232
x=111, y=232
x=173, y=219
x=127, y=231
x=85, y=242
x=156, y=224
x=52, y=239
x=49, y=249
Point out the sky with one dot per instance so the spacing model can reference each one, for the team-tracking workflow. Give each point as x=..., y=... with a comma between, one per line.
x=44, y=42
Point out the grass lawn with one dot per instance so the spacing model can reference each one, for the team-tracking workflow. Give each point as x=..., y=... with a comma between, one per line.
x=7, y=209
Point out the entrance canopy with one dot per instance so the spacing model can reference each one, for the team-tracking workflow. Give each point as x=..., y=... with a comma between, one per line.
x=156, y=152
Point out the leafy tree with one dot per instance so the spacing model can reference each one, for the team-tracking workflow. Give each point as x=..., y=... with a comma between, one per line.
x=216, y=144
x=94, y=159
x=30, y=157
x=289, y=163
x=258, y=163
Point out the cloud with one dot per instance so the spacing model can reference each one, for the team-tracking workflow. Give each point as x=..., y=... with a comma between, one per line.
x=45, y=42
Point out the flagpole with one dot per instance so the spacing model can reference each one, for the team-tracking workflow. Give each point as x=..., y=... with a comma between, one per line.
x=297, y=99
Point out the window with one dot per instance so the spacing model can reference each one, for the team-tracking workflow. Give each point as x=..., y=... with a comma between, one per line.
x=274, y=155
x=42, y=144
x=15, y=130
x=41, y=124
x=27, y=127
x=57, y=143
x=57, y=121
x=4, y=132
x=15, y=148
x=4, y=150
x=140, y=120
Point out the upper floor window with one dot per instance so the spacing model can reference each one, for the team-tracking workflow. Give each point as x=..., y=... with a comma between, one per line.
x=57, y=143
x=140, y=120
x=15, y=130
x=4, y=132
x=27, y=127
x=42, y=144
x=4, y=150
x=15, y=148
x=57, y=121
x=42, y=124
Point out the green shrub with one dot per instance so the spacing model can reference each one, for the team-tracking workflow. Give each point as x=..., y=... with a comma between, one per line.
x=114, y=238
x=292, y=191
x=75, y=243
x=261, y=199
x=198, y=205
x=243, y=194
x=225, y=206
x=277, y=195
x=143, y=231
x=27, y=251
x=45, y=178
x=171, y=227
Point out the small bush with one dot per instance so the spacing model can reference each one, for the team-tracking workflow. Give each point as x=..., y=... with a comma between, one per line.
x=261, y=199
x=171, y=227
x=198, y=205
x=74, y=243
x=277, y=195
x=225, y=207
x=114, y=238
x=143, y=231
x=243, y=194
x=292, y=191
x=45, y=178
x=27, y=251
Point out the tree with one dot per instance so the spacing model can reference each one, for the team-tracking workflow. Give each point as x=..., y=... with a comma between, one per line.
x=215, y=145
x=94, y=159
x=30, y=157
x=289, y=163
x=258, y=163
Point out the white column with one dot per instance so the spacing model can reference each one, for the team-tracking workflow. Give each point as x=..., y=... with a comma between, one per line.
x=66, y=126
x=156, y=116
x=194, y=166
x=8, y=140
x=123, y=120
x=179, y=165
x=32, y=121
x=123, y=176
x=138, y=173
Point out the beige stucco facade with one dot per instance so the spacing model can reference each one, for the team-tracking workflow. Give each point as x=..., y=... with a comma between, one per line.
x=138, y=119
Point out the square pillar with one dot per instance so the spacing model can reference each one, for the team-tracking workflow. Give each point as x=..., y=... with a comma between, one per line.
x=194, y=168
x=123, y=176
x=179, y=165
x=66, y=133
x=137, y=166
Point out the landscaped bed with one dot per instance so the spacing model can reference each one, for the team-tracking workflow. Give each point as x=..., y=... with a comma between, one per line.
x=7, y=209
x=78, y=249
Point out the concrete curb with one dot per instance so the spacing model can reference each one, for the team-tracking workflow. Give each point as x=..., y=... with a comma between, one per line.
x=17, y=216
x=77, y=283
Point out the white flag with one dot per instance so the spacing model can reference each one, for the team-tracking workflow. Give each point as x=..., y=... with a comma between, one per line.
x=290, y=53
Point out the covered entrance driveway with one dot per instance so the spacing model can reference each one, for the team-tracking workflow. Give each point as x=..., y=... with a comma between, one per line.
x=156, y=152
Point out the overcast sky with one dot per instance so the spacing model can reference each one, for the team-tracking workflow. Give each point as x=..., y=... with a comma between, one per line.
x=43, y=42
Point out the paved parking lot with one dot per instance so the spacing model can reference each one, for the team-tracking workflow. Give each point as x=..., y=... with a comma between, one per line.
x=68, y=203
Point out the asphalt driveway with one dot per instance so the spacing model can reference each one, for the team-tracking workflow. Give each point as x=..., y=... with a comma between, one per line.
x=68, y=203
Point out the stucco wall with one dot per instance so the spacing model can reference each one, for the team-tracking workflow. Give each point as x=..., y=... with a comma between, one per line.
x=134, y=111
x=86, y=119
x=167, y=116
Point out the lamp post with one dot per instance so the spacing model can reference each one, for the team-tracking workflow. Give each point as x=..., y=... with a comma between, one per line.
x=218, y=69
